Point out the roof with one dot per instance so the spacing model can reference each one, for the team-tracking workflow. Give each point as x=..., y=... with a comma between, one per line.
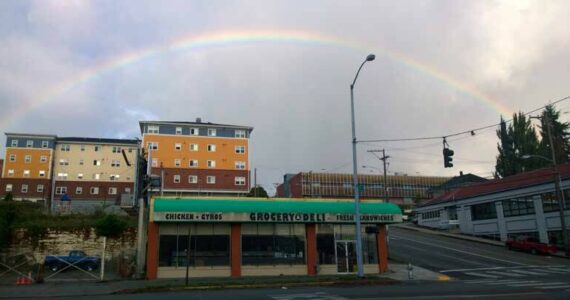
x=238, y=207
x=31, y=135
x=97, y=140
x=527, y=179
x=460, y=180
x=202, y=124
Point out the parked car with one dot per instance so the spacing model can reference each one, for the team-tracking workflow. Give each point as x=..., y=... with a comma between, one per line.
x=76, y=258
x=530, y=244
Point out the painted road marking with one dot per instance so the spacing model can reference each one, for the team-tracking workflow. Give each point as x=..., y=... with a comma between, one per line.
x=501, y=268
x=482, y=275
x=528, y=272
x=535, y=284
x=464, y=252
x=505, y=274
x=310, y=296
x=510, y=282
x=559, y=270
x=555, y=287
x=552, y=271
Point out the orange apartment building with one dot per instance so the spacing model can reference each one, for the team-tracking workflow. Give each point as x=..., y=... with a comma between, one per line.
x=197, y=158
x=27, y=168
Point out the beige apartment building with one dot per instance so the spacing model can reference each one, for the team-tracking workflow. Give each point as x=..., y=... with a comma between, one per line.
x=94, y=170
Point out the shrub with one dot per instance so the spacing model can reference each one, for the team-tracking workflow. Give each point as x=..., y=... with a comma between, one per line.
x=110, y=226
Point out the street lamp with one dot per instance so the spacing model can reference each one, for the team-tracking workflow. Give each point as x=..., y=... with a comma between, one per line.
x=559, y=193
x=359, y=263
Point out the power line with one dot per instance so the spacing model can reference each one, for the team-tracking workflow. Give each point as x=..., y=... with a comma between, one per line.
x=470, y=131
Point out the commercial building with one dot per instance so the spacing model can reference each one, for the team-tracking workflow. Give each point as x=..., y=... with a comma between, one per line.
x=523, y=204
x=401, y=190
x=27, y=168
x=94, y=172
x=230, y=236
x=198, y=158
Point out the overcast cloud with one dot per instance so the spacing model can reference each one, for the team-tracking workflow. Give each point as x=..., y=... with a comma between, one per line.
x=295, y=95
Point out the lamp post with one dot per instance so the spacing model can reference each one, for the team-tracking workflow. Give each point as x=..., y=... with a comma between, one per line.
x=359, y=263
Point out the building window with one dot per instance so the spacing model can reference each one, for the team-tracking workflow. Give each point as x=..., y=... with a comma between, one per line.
x=116, y=149
x=79, y=190
x=434, y=214
x=12, y=157
x=154, y=129
x=8, y=188
x=193, y=147
x=211, y=148
x=114, y=177
x=240, y=165
x=155, y=162
x=112, y=191
x=211, y=179
x=79, y=175
x=43, y=158
x=483, y=211
x=176, y=178
x=193, y=163
x=11, y=172
x=62, y=176
x=26, y=173
x=152, y=145
x=240, y=180
x=127, y=190
x=273, y=244
x=42, y=173
x=63, y=162
x=24, y=188
x=14, y=143
x=211, y=132
x=178, y=130
x=194, y=131
x=209, y=245
x=115, y=163
x=82, y=148
x=81, y=162
x=240, y=149
x=550, y=201
x=518, y=206
x=27, y=159
x=96, y=162
x=60, y=190
x=29, y=144
x=240, y=133
x=96, y=176
x=45, y=144
x=40, y=188
x=211, y=163
x=177, y=146
x=192, y=179
x=177, y=162
x=94, y=190
x=65, y=147
x=97, y=148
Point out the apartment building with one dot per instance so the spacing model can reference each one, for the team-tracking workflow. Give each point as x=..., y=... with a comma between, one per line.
x=26, y=171
x=94, y=170
x=199, y=158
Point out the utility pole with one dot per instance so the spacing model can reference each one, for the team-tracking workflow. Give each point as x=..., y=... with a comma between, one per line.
x=254, y=182
x=383, y=159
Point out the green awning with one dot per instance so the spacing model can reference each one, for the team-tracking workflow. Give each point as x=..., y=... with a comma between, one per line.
x=268, y=210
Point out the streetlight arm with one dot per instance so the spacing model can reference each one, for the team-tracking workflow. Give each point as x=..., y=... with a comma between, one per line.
x=357, y=72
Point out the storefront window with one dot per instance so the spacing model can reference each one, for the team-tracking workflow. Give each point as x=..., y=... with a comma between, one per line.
x=209, y=245
x=326, y=244
x=518, y=206
x=328, y=235
x=273, y=244
x=483, y=211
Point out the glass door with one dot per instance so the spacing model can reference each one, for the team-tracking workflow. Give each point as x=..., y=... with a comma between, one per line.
x=345, y=256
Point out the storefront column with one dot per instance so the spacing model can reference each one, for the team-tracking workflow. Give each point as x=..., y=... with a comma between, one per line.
x=382, y=247
x=235, y=252
x=310, y=230
x=152, y=251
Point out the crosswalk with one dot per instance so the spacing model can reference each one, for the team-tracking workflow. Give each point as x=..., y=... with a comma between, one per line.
x=540, y=277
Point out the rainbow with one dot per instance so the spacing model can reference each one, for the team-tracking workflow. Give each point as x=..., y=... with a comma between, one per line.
x=228, y=38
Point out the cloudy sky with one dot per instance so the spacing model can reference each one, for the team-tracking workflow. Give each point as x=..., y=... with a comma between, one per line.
x=81, y=68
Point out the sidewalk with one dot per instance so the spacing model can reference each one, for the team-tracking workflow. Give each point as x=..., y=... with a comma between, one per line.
x=409, y=226
x=396, y=274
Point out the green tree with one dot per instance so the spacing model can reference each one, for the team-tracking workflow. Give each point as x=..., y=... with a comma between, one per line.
x=518, y=139
x=110, y=226
x=560, y=137
x=258, y=191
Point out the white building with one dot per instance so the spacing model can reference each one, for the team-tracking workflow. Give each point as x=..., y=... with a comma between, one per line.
x=523, y=204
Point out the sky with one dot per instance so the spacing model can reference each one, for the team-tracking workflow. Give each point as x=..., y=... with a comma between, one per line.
x=95, y=68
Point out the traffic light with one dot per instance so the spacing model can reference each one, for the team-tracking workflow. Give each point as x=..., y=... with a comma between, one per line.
x=448, y=158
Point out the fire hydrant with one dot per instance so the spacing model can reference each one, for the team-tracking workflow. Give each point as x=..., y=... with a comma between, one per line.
x=410, y=271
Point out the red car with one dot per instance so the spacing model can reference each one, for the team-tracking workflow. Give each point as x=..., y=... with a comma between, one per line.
x=530, y=244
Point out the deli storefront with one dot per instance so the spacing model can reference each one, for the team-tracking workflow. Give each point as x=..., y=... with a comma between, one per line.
x=223, y=237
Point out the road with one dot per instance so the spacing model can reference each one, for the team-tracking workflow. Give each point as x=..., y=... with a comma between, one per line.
x=477, y=263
